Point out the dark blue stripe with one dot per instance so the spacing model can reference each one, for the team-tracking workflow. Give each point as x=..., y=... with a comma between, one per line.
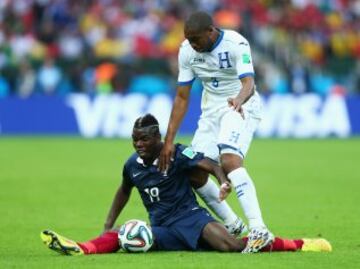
x=224, y=146
x=239, y=193
x=246, y=75
x=218, y=40
x=183, y=83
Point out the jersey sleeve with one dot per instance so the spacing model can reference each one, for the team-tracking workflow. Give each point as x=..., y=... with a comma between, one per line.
x=126, y=177
x=186, y=75
x=186, y=157
x=244, y=64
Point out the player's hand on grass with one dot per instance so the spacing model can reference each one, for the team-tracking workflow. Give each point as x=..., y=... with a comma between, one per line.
x=165, y=157
x=236, y=104
x=225, y=189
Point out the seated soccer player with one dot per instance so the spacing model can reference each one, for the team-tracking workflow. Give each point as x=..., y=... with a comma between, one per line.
x=177, y=221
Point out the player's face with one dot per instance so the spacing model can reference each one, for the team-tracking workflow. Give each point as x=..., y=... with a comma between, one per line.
x=199, y=41
x=145, y=144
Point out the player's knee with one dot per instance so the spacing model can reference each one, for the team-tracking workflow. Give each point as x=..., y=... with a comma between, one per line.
x=230, y=162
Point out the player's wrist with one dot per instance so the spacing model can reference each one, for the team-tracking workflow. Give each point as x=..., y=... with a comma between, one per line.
x=168, y=140
x=225, y=184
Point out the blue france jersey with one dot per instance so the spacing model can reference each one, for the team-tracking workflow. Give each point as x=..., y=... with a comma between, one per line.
x=166, y=197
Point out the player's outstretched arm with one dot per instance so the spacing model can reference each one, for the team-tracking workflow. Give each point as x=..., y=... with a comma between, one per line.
x=120, y=200
x=178, y=111
x=247, y=90
x=213, y=168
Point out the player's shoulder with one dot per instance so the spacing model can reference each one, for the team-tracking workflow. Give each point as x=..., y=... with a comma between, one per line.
x=131, y=161
x=185, y=44
x=233, y=37
x=185, y=48
x=184, y=151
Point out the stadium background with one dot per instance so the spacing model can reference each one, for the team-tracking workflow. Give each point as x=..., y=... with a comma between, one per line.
x=89, y=68
x=120, y=57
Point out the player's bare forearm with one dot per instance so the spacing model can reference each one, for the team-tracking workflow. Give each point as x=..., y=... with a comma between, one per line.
x=120, y=200
x=178, y=112
x=213, y=168
x=247, y=90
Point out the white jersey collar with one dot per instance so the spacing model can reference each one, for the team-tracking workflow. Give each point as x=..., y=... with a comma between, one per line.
x=141, y=161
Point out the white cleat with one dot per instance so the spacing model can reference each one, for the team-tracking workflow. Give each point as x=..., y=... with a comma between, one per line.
x=237, y=228
x=258, y=238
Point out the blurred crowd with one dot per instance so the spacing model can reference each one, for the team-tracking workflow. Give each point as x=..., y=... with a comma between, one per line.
x=54, y=47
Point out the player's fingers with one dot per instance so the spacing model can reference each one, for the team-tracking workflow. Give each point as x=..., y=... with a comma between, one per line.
x=162, y=161
x=230, y=101
x=223, y=195
x=166, y=162
x=225, y=189
x=242, y=113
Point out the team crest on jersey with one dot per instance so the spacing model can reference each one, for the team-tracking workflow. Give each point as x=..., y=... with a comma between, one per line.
x=188, y=152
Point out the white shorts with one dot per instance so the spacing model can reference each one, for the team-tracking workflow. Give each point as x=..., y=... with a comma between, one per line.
x=225, y=131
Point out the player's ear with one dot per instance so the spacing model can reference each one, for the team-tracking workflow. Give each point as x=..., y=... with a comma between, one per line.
x=210, y=29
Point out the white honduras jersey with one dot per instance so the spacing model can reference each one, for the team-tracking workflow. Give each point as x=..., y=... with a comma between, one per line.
x=220, y=70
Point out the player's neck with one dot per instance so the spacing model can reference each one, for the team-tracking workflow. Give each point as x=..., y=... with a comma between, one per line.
x=215, y=35
x=154, y=156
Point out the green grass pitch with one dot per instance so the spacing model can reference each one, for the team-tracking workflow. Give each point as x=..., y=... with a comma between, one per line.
x=307, y=188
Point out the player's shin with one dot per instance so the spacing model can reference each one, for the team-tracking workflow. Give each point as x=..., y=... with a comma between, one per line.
x=280, y=244
x=106, y=243
x=246, y=194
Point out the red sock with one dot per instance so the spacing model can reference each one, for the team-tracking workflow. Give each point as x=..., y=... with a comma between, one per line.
x=281, y=244
x=105, y=243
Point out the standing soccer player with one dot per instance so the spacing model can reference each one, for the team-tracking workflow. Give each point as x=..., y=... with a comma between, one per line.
x=230, y=106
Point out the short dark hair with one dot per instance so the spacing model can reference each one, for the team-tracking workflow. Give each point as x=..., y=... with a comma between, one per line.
x=198, y=21
x=148, y=123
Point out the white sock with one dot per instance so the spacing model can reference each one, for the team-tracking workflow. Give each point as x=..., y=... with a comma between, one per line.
x=246, y=194
x=210, y=195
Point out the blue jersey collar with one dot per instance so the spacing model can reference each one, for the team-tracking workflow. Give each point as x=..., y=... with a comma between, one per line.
x=218, y=40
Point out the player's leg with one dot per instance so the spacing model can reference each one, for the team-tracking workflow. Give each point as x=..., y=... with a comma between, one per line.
x=235, y=138
x=207, y=189
x=305, y=244
x=106, y=243
x=205, y=141
x=166, y=239
x=217, y=237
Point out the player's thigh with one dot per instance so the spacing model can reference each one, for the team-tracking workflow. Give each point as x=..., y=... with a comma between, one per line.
x=217, y=237
x=236, y=133
x=165, y=239
x=205, y=138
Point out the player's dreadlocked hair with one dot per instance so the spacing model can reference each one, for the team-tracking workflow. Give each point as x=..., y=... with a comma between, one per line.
x=198, y=21
x=147, y=123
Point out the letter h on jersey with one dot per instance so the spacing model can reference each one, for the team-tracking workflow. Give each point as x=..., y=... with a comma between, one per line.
x=224, y=59
x=234, y=138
